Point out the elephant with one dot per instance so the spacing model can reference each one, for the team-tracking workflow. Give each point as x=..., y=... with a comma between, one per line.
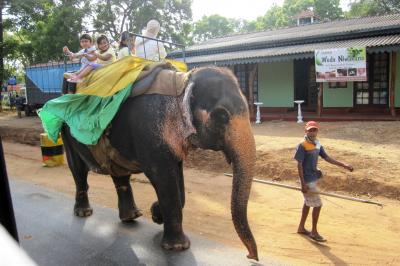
x=150, y=130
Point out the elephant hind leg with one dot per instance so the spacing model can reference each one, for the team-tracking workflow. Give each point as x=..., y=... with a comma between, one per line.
x=156, y=215
x=128, y=211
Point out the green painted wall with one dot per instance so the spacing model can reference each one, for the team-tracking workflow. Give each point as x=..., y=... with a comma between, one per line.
x=338, y=97
x=275, y=84
x=397, y=85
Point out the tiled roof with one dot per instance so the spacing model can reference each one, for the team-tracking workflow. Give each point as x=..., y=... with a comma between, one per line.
x=305, y=14
x=315, y=32
x=293, y=51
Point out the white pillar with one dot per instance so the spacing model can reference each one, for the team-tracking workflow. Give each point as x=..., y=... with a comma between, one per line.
x=258, y=114
x=299, y=115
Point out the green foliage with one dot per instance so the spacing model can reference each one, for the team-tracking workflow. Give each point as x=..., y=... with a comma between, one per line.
x=61, y=28
x=276, y=17
x=44, y=27
x=362, y=8
x=282, y=16
x=291, y=8
x=26, y=13
x=115, y=16
x=36, y=30
x=330, y=10
x=215, y=26
x=324, y=9
x=12, y=55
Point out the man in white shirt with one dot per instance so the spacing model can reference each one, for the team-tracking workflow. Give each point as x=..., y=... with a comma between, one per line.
x=150, y=49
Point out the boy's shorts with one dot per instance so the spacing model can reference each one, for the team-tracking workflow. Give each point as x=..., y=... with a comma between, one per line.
x=311, y=199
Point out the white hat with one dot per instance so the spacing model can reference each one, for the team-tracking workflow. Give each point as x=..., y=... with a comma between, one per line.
x=152, y=29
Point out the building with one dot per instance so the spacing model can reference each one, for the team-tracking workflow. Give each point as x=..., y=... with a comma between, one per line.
x=306, y=17
x=276, y=67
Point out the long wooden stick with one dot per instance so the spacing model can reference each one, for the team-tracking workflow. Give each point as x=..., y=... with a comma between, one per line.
x=320, y=192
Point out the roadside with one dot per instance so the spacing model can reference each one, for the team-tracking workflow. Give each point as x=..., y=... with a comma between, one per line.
x=373, y=148
x=357, y=233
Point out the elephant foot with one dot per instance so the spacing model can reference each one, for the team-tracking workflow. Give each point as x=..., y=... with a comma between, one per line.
x=131, y=216
x=82, y=207
x=177, y=243
x=156, y=215
x=126, y=205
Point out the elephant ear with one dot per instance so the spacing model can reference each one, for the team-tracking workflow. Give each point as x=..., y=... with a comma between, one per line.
x=220, y=115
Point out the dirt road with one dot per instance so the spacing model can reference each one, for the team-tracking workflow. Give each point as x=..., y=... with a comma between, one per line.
x=357, y=233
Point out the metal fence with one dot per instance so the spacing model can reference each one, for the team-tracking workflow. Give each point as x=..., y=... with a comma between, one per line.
x=169, y=46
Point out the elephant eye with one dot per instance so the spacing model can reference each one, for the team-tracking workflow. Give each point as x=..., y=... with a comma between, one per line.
x=220, y=115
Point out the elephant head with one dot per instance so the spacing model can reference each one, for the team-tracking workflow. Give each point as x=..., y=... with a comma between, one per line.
x=221, y=119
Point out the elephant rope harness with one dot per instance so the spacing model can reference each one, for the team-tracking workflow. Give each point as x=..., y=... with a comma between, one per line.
x=161, y=79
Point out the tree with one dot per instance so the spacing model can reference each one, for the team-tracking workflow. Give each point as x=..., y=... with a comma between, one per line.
x=115, y=16
x=215, y=26
x=291, y=8
x=325, y=9
x=2, y=5
x=330, y=10
x=43, y=27
x=275, y=17
x=362, y=8
x=61, y=28
x=281, y=16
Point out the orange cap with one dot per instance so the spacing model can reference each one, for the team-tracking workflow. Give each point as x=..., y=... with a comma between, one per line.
x=311, y=124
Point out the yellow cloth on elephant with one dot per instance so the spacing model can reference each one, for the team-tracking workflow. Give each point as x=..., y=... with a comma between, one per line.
x=98, y=98
x=112, y=78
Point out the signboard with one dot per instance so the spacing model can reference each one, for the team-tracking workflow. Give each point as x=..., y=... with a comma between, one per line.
x=342, y=64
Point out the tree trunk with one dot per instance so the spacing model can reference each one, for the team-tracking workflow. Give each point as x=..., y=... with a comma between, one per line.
x=1, y=50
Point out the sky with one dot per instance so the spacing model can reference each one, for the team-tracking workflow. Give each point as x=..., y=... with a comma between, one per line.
x=244, y=9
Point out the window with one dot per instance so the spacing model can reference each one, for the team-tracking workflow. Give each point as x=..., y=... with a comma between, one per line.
x=242, y=73
x=304, y=21
x=375, y=91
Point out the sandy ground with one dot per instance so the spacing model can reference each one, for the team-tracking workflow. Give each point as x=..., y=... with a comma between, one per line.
x=357, y=233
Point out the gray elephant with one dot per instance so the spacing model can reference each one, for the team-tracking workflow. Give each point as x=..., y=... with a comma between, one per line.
x=153, y=133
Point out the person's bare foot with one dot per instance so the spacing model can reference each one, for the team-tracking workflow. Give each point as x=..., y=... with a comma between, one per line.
x=68, y=75
x=75, y=80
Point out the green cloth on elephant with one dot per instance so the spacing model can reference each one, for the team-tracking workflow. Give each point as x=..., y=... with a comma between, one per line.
x=91, y=109
x=86, y=115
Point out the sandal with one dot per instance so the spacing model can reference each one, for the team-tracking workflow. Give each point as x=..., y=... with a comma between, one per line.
x=317, y=238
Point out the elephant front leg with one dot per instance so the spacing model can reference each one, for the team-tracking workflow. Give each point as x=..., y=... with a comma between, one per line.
x=155, y=207
x=168, y=184
x=128, y=211
x=82, y=207
x=79, y=171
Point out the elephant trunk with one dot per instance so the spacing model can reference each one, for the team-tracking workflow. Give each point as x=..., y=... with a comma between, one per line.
x=241, y=149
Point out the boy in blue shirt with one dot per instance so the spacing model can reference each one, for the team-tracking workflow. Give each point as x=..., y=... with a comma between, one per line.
x=307, y=153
